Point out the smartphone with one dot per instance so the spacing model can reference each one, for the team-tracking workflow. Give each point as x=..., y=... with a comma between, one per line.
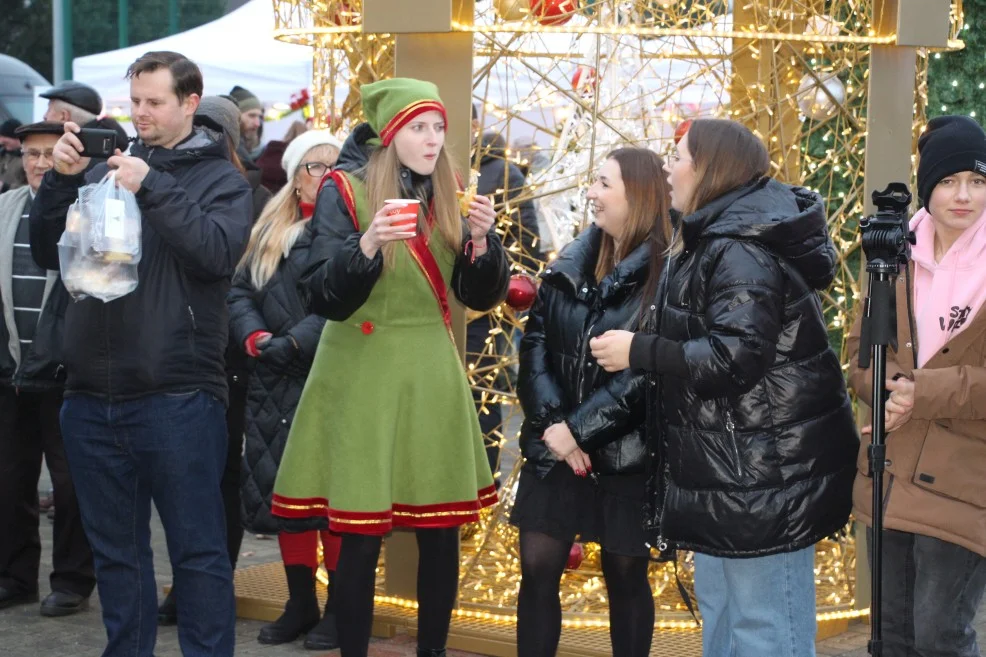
x=97, y=142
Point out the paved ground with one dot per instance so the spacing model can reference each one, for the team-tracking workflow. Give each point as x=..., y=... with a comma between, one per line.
x=25, y=633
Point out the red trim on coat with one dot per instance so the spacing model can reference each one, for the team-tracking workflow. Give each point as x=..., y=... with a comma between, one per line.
x=348, y=196
x=450, y=514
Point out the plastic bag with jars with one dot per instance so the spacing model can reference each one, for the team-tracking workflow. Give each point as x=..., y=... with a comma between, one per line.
x=100, y=248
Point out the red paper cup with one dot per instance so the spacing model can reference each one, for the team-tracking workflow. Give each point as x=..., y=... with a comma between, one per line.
x=408, y=206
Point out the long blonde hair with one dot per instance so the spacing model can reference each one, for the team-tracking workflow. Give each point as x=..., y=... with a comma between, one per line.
x=279, y=226
x=383, y=181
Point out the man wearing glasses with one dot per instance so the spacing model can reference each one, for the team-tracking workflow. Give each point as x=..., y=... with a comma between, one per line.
x=33, y=302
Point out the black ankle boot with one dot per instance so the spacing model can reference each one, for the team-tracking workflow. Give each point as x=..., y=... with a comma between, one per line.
x=167, y=613
x=300, y=613
x=426, y=652
x=325, y=636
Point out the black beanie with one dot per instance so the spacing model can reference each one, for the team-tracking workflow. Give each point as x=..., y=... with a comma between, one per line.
x=949, y=145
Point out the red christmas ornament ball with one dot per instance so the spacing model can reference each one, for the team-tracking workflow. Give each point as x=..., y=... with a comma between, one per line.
x=521, y=292
x=575, y=557
x=682, y=130
x=584, y=79
x=554, y=12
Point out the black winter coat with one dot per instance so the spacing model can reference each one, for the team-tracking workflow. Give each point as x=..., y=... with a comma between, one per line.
x=758, y=443
x=559, y=379
x=238, y=364
x=170, y=333
x=278, y=377
x=341, y=277
x=504, y=182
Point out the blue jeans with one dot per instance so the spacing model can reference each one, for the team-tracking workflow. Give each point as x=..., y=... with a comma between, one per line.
x=169, y=448
x=931, y=591
x=757, y=607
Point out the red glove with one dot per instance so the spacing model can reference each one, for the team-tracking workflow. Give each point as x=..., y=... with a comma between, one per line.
x=250, y=344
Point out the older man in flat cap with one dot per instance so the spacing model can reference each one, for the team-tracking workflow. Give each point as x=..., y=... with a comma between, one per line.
x=73, y=101
x=33, y=302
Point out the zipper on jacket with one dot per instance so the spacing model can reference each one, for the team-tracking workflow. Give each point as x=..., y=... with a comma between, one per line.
x=582, y=360
x=731, y=428
x=191, y=313
x=109, y=365
x=662, y=542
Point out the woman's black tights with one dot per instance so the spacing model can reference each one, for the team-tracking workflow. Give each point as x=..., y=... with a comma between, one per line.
x=438, y=584
x=631, y=604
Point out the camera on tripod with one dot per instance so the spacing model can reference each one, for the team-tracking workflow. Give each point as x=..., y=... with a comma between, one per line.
x=886, y=237
x=886, y=240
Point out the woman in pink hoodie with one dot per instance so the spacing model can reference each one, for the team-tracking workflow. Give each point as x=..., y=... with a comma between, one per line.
x=934, y=546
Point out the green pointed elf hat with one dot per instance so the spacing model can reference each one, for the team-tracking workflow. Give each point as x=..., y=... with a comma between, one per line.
x=390, y=104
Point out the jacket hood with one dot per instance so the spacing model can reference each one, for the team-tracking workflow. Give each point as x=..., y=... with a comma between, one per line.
x=575, y=267
x=356, y=151
x=205, y=143
x=789, y=221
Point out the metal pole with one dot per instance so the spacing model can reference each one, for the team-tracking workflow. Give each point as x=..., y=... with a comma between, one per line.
x=123, y=23
x=172, y=16
x=57, y=52
x=67, y=36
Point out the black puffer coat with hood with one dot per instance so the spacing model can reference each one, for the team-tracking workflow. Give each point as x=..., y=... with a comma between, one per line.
x=751, y=426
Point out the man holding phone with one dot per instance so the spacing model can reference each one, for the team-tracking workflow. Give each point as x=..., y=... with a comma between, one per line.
x=144, y=411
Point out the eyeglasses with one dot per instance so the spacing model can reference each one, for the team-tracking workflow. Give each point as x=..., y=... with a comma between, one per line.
x=316, y=169
x=34, y=154
x=672, y=157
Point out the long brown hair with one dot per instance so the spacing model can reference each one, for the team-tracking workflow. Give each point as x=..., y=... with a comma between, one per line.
x=726, y=155
x=278, y=227
x=383, y=181
x=646, y=189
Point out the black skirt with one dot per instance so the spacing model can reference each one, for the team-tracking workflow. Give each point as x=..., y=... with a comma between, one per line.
x=608, y=510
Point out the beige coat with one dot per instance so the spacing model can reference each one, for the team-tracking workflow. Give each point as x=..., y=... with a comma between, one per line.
x=935, y=482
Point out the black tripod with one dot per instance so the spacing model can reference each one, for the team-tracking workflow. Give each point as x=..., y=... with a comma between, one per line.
x=886, y=242
x=879, y=330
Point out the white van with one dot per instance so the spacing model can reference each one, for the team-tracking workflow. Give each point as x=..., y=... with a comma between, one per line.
x=17, y=83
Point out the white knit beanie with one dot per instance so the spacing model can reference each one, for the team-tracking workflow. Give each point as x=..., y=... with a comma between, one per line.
x=303, y=143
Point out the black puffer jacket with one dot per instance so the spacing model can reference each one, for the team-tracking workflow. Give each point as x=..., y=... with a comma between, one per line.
x=759, y=444
x=170, y=333
x=559, y=379
x=341, y=278
x=274, y=389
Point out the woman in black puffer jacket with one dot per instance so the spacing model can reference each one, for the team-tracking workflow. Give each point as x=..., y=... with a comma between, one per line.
x=583, y=433
x=270, y=319
x=756, y=436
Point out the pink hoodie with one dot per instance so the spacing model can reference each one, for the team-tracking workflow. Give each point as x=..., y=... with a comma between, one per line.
x=947, y=294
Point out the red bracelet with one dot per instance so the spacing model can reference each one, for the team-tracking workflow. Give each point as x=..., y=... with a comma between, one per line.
x=470, y=250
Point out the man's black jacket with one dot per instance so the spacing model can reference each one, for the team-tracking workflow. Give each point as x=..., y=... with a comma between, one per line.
x=168, y=335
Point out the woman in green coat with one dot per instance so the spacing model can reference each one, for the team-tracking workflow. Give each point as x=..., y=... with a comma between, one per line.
x=386, y=433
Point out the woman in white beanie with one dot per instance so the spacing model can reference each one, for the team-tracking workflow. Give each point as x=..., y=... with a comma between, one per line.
x=273, y=323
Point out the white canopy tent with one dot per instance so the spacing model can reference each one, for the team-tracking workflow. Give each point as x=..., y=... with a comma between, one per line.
x=236, y=49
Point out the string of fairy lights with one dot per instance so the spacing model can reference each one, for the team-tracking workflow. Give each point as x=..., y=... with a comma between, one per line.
x=565, y=81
